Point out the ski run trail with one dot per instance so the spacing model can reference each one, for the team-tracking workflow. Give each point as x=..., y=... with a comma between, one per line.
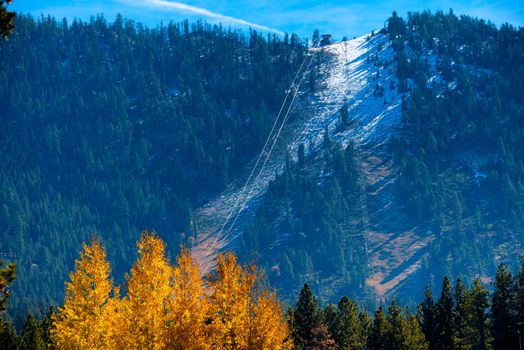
x=348, y=75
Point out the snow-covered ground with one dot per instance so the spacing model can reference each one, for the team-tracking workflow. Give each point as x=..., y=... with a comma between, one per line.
x=350, y=75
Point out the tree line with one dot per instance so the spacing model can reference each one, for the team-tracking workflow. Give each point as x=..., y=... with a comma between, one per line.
x=172, y=306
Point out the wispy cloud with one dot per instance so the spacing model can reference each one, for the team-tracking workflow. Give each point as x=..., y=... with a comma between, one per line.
x=181, y=7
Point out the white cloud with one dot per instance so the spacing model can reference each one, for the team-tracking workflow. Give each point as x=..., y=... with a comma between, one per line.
x=181, y=7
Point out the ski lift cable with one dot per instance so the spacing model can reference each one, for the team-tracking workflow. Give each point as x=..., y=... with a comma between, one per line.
x=288, y=91
x=271, y=149
x=263, y=148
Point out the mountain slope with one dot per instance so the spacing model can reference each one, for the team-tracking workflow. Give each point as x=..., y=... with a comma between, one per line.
x=424, y=205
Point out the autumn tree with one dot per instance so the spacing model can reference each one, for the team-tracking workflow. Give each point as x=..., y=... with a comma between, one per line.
x=188, y=306
x=6, y=18
x=148, y=291
x=229, y=300
x=243, y=315
x=268, y=329
x=322, y=339
x=7, y=276
x=83, y=322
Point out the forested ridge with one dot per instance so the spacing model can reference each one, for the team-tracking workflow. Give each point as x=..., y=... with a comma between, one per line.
x=112, y=127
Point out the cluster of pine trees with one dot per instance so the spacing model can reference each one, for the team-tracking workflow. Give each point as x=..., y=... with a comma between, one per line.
x=461, y=153
x=114, y=127
x=460, y=318
x=347, y=326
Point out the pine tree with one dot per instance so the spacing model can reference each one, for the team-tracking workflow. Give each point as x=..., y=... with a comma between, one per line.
x=502, y=326
x=344, y=119
x=305, y=318
x=395, y=322
x=413, y=336
x=32, y=335
x=444, y=317
x=316, y=38
x=479, y=305
x=349, y=333
x=520, y=300
x=8, y=338
x=377, y=334
x=428, y=314
x=462, y=317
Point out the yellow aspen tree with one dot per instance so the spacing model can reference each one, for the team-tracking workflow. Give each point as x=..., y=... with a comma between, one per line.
x=188, y=306
x=269, y=329
x=148, y=291
x=230, y=288
x=82, y=323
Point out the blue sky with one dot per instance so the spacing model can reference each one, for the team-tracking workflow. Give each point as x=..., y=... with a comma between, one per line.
x=349, y=18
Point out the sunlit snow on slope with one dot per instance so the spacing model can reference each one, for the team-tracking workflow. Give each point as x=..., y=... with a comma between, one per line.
x=352, y=79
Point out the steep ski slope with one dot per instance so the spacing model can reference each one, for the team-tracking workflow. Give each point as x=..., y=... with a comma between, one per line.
x=361, y=73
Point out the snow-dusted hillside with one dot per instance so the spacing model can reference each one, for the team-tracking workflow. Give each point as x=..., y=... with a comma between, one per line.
x=350, y=74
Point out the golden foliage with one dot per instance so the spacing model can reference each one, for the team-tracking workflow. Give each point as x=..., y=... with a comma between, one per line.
x=188, y=306
x=82, y=323
x=148, y=290
x=168, y=307
x=244, y=315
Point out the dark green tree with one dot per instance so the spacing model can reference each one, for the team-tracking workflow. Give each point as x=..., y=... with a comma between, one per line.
x=427, y=316
x=462, y=317
x=444, y=317
x=8, y=338
x=479, y=305
x=32, y=336
x=349, y=333
x=502, y=311
x=344, y=117
x=316, y=38
x=395, y=330
x=306, y=318
x=377, y=333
